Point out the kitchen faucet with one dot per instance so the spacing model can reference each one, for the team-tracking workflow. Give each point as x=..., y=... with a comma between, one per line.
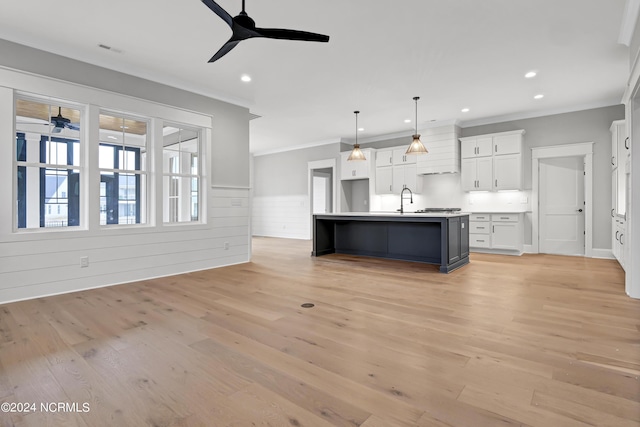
x=402, y=198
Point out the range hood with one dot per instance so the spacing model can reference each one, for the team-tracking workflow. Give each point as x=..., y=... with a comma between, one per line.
x=444, y=151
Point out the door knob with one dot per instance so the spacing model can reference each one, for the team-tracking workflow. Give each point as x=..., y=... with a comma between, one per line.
x=579, y=210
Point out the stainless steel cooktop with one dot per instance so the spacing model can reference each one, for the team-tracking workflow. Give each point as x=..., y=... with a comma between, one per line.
x=431, y=210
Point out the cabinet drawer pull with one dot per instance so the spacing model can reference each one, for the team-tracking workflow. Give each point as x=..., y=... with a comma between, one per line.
x=496, y=182
x=612, y=212
x=480, y=228
x=621, y=242
x=494, y=229
x=612, y=160
x=625, y=143
x=617, y=235
x=478, y=240
x=496, y=147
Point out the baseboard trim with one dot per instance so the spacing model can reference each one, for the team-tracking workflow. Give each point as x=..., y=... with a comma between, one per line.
x=528, y=249
x=602, y=253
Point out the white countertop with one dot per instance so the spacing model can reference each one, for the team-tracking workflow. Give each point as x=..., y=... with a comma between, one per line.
x=398, y=214
x=497, y=211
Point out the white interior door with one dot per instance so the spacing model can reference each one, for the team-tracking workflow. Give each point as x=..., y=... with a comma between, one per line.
x=321, y=194
x=562, y=209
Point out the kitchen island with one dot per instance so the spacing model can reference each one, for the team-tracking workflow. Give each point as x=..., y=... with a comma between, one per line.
x=441, y=238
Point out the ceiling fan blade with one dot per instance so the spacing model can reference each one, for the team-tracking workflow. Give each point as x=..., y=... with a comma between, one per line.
x=30, y=121
x=215, y=7
x=224, y=50
x=73, y=126
x=277, y=33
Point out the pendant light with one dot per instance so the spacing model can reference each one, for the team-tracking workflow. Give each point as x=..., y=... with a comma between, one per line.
x=356, y=153
x=416, y=146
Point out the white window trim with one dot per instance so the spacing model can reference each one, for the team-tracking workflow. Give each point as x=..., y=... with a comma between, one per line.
x=15, y=81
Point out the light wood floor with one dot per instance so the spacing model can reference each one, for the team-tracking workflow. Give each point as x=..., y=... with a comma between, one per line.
x=505, y=341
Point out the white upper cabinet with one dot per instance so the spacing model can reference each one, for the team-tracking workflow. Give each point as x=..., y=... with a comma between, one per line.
x=405, y=176
x=476, y=146
x=619, y=152
x=500, y=169
x=619, y=143
x=507, y=144
x=477, y=174
x=384, y=180
x=358, y=169
x=507, y=172
x=384, y=158
x=396, y=170
x=400, y=158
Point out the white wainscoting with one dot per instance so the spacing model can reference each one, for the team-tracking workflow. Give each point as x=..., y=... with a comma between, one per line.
x=38, y=267
x=281, y=216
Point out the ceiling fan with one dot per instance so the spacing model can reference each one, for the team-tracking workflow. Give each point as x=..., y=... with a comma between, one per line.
x=243, y=27
x=60, y=123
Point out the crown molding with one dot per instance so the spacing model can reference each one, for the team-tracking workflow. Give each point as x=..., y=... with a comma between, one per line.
x=404, y=133
x=533, y=115
x=629, y=21
x=297, y=147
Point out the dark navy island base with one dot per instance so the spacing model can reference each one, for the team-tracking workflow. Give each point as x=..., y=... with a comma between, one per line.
x=441, y=239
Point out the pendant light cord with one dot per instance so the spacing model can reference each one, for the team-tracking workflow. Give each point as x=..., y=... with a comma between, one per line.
x=356, y=113
x=416, y=99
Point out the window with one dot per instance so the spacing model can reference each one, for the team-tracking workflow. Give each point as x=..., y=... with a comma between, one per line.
x=123, y=175
x=47, y=164
x=181, y=172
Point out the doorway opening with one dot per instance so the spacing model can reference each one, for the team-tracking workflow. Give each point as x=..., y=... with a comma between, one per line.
x=322, y=189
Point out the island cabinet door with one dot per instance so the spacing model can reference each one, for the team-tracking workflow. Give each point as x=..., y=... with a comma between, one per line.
x=454, y=240
x=464, y=236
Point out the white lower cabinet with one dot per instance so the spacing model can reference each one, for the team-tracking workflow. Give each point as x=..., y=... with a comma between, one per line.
x=496, y=232
x=618, y=230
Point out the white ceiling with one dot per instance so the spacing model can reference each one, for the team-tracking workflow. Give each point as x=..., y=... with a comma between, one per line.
x=451, y=53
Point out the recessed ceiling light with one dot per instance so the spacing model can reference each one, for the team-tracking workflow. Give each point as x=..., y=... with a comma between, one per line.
x=111, y=137
x=407, y=120
x=538, y=96
x=465, y=110
x=530, y=74
x=245, y=78
x=124, y=127
x=360, y=129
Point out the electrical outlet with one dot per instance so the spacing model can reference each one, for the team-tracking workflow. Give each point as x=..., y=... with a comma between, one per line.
x=84, y=261
x=226, y=246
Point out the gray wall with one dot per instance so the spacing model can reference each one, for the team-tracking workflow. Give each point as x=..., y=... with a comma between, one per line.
x=285, y=174
x=634, y=46
x=580, y=126
x=230, y=133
